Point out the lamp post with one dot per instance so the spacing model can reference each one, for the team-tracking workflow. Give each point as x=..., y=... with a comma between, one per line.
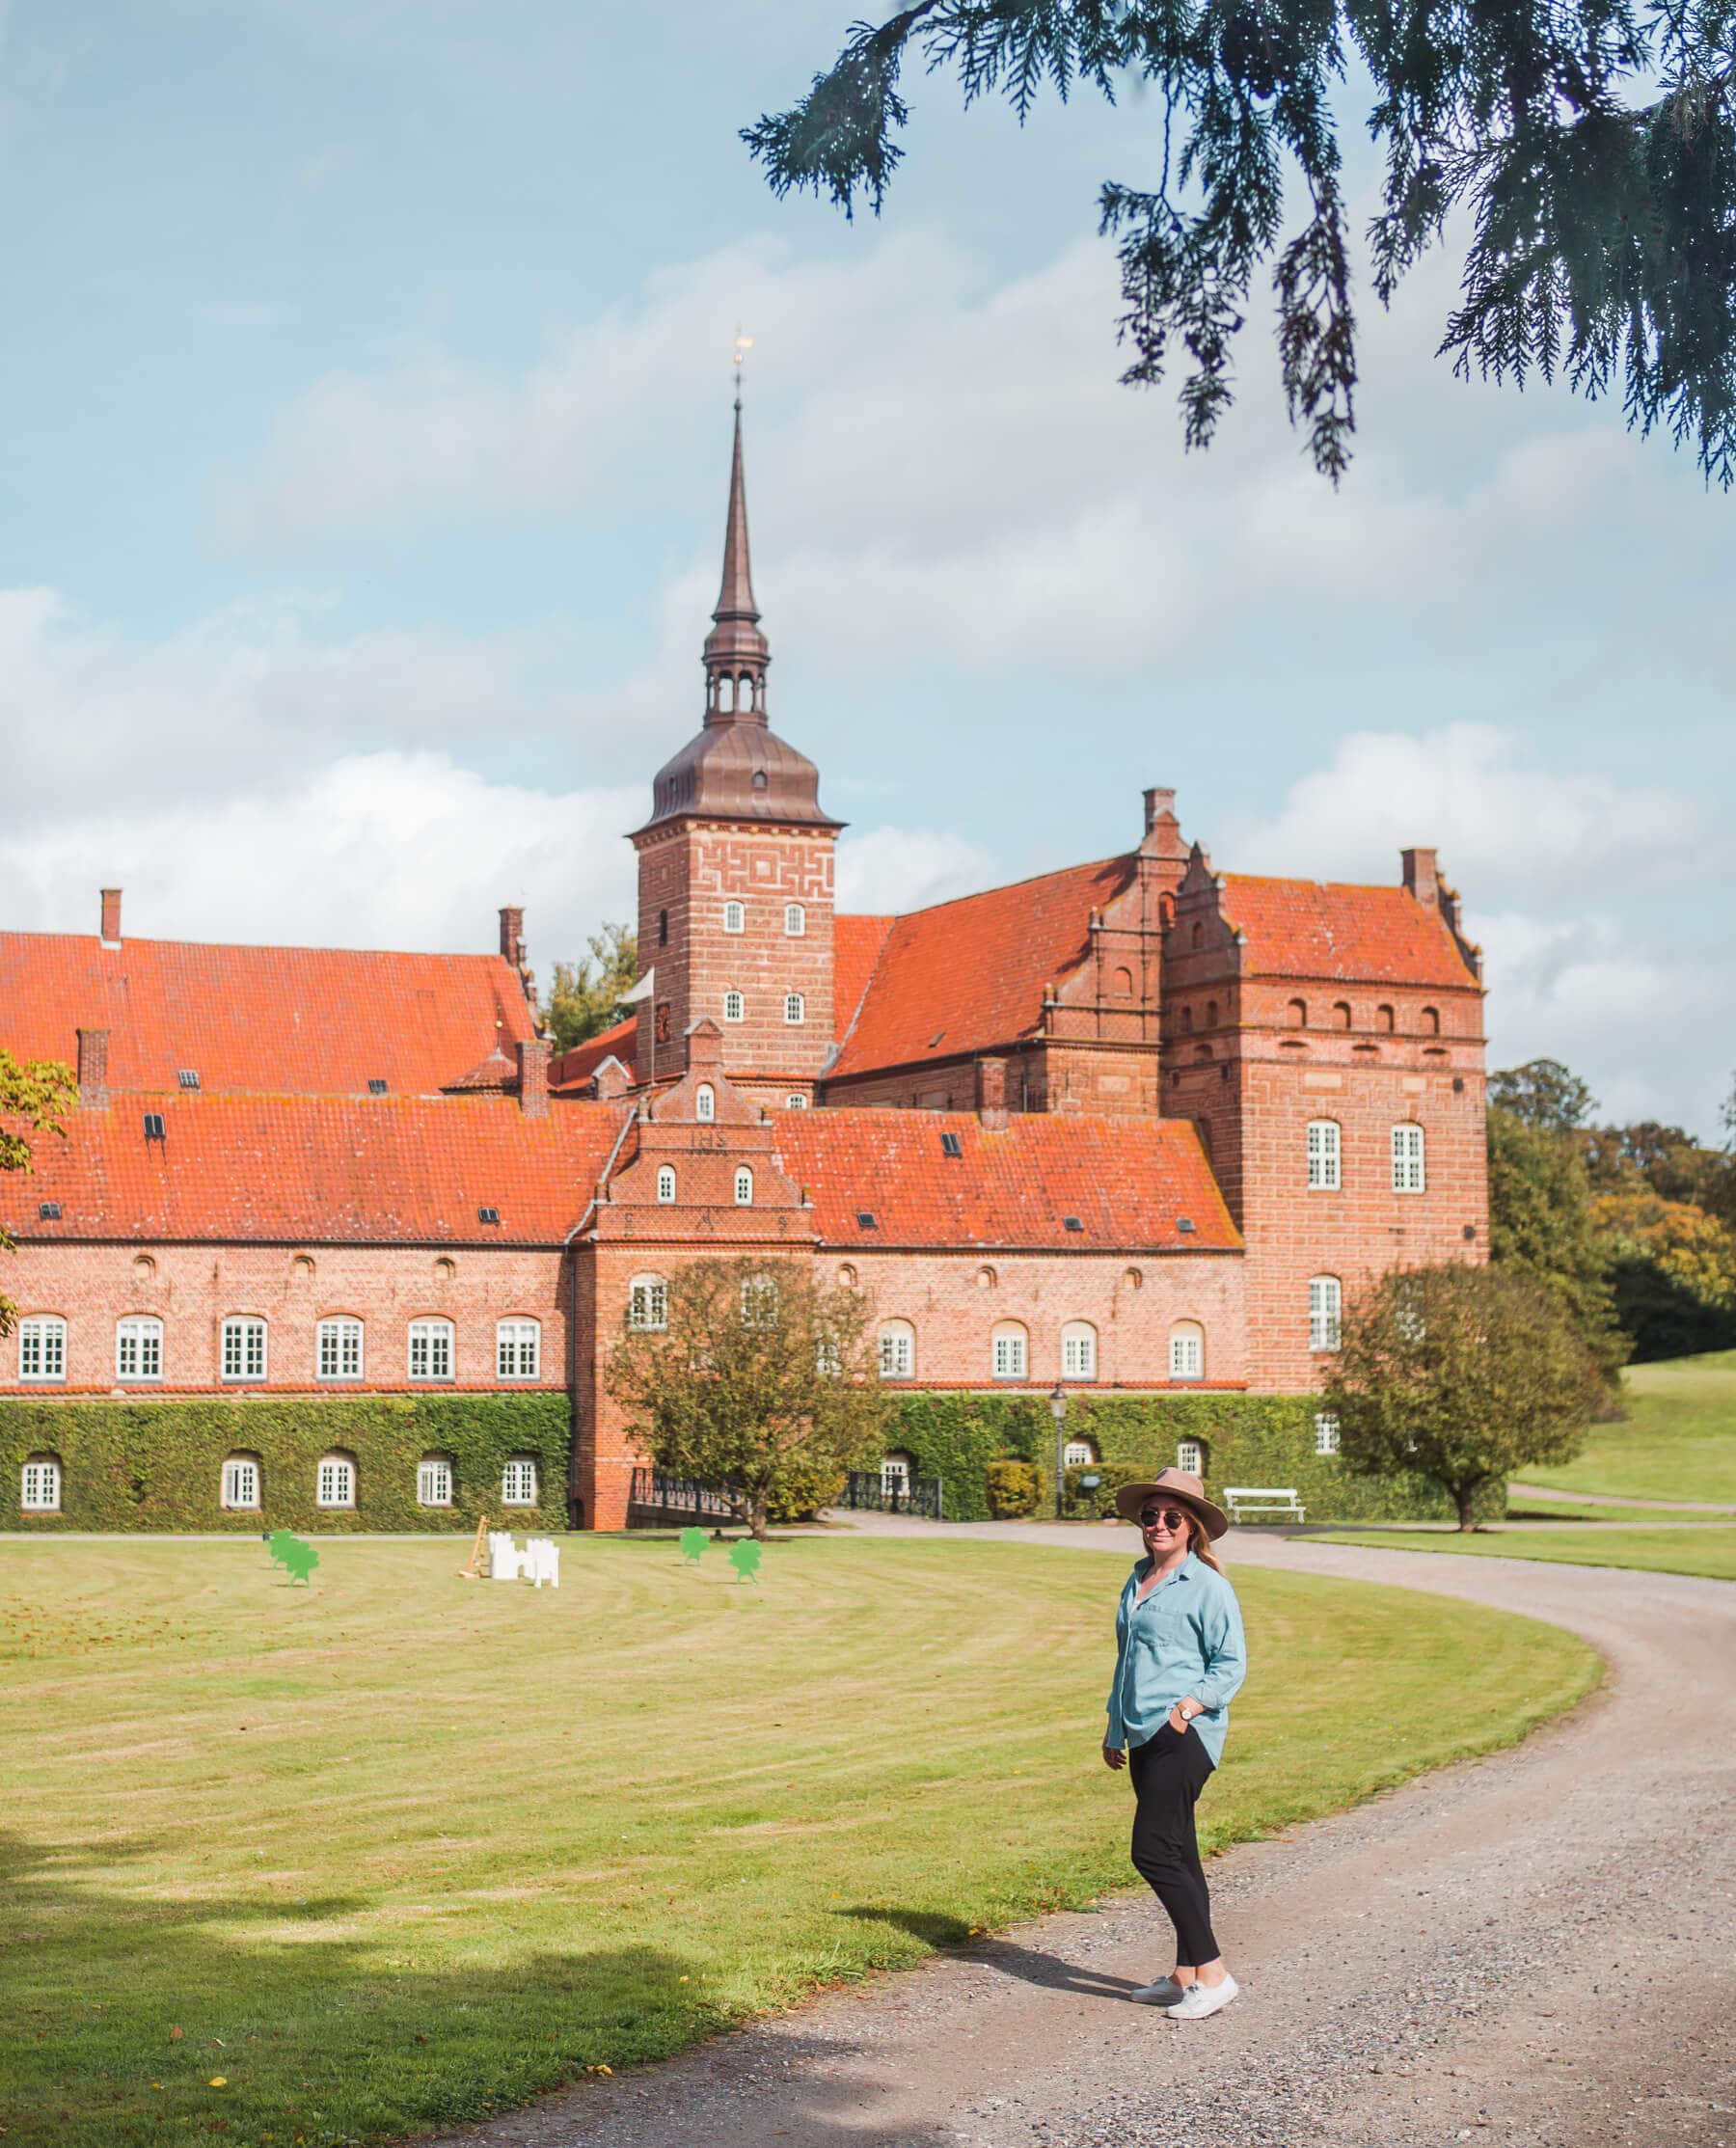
x=1058, y=1411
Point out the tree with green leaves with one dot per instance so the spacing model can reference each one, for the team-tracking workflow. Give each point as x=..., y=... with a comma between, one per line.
x=1542, y=1093
x=34, y=1094
x=584, y=997
x=1541, y=1223
x=1591, y=143
x=1462, y=1374
x=765, y=1384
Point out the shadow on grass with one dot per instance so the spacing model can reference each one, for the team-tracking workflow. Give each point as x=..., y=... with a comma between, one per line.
x=942, y=1932
x=338, y=2039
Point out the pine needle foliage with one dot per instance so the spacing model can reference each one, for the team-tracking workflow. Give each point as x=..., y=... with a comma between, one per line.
x=1592, y=142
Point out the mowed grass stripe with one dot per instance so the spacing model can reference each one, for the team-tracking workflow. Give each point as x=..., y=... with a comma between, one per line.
x=399, y=1849
x=1677, y=1439
x=1710, y=1552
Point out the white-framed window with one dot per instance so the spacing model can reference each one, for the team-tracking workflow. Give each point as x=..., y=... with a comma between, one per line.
x=241, y=1483
x=43, y=1347
x=795, y=921
x=1326, y=1306
x=430, y=1350
x=1326, y=1433
x=743, y=1186
x=795, y=1008
x=1187, y=1351
x=1324, y=1156
x=735, y=918
x=796, y=1102
x=338, y=1348
x=243, y=1347
x=897, y=1350
x=1190, y=1456
x=518, y=1482
x=1009, y=1352
x=1407, y=1157
x=759, y=1301
x=705, y=1101
x=735, y=1006
x=434, y=1480
x=648, y=1304
x=896, y=1472
x=665, y=1183
x=139, y=1348
x=334, y=1484
x=518, y=1349
x=1078, y=1453
x=39, y=1490
x=1078, y=1350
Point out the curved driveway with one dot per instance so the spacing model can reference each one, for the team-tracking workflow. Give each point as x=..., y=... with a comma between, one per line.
x=1534, y=1948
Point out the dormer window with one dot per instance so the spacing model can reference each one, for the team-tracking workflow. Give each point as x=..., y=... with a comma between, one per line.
x=705, y=1101
x=665, y=1183
x=735, y=918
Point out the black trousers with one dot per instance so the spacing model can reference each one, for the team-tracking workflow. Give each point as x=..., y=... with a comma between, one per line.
x=1169, y=1772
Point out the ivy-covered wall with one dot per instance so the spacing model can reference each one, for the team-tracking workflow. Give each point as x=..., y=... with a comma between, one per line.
x=158, y=1466
x=1248, y=1439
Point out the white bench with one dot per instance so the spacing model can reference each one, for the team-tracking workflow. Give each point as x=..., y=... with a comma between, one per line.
x=1263, y=1499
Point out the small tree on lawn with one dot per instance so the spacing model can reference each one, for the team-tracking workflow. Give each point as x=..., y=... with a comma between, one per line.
x=34, y=1094
x=1461, y=1375
x=764, y=1383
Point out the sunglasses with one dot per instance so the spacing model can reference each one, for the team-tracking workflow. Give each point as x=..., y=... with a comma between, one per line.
x=1172, y=1517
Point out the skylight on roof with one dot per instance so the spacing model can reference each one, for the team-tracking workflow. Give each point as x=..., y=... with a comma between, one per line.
x=376, y=1086
x=1184, y=1223
x=488, y=1216
x=49, y=1211
x=1071, y=1223
x=866, y=1221
x=951, y=1145
x=935, y=1039
x=153, y=1126
x=188, y=1077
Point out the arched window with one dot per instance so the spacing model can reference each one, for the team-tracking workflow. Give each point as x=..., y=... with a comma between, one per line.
x=430, y=1350
x=847, y=1277
x=1324, y=1155
x=1121, y=985
x=1384, y=1018
x=666, y=1183
x=1326, y=1433
x=1325, y=1305
x=735, y=918
x=518, y=1349
x=338, y=1348
x=335, y=1481
x=794, y=1007
x=648, y=1304
x=244, y=1348
x=1197, y=938
x=897, y=1350
x=1187, y=1351
x=434, y=1480
x=241, y=1481
x=1407, y=1158
x=1341, y=1014
x=1431, y=1021
x=43, y=1347
x=518, y=1482
x=1078, y=1350
x=39, y=1489
x=735, y=1006
x=1212, y=1014
x=139, y=1348
x=795, y=921
x=1078, y=1453
x=745, y=691
x=796, y=1102
x=663, y=928
x=760, y=779
x=1298, y=1014
x=1190, y=1456
x=705, y=1101
x=743, y=1186
x=1009, y=1352
x=896, y=1473
x=1187, y=1020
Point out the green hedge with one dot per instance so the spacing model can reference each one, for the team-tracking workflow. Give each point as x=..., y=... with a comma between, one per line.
x=158, y=1466
x=1249, y=1439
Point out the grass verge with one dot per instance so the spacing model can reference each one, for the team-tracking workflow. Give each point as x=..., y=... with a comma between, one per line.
x=1678, y=1441
x=325, y=1864
x=1708, y=1552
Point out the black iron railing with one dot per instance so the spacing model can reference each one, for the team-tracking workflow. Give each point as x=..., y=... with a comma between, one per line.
x=867, y=1490
x=655, y=1500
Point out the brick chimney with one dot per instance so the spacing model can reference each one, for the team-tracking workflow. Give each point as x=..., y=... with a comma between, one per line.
x=1421, y=876
x=111, y=918
x=704, y=1047
x=93, y=1068
x=513, y=933
x=533, y=1076
x=991, y=1095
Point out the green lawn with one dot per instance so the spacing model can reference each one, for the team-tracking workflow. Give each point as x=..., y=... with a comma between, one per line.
x=1571, y=1510
x=323, y=1865
x=1678, y=1440
x=1658, y=1551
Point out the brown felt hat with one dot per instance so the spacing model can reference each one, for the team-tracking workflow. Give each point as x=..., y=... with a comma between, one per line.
x=1184, y=1488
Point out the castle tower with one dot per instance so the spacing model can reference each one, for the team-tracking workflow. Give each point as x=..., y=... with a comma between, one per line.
x=735, y=867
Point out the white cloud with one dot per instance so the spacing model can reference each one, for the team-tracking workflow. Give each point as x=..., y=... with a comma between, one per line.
x=889, y=870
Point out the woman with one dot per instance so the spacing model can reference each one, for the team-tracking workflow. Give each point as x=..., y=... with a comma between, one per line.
x=1179, y=1660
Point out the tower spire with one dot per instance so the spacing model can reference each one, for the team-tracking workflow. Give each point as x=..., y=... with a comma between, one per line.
x=736, y=652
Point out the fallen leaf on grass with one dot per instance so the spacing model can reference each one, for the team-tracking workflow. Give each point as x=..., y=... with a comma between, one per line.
x=219, y=2082
x=176, y=2035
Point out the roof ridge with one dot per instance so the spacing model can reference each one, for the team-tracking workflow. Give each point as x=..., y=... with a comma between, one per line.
x=1007, y=886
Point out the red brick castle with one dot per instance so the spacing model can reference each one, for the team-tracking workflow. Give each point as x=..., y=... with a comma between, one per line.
x=1136, y=1126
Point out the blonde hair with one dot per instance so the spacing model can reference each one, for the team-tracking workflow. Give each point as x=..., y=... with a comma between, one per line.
x=1200, y=1545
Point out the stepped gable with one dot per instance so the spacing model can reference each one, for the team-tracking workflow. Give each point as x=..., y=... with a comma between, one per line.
x=1128, y=1181
x=1335, y=930
x=380, y=1171
x=970, y=975
x=307, y=1021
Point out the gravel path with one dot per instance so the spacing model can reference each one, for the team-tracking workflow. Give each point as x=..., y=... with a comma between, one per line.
x=1532, y=1948
x=1617, y=1499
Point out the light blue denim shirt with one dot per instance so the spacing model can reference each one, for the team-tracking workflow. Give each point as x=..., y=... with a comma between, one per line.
x=1185, y=1638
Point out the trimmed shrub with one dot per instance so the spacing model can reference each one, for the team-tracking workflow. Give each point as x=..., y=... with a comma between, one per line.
x=1012, y=1489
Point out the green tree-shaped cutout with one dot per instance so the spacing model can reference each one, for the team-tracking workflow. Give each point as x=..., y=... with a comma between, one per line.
x=745, y=1558
x=693, y=1545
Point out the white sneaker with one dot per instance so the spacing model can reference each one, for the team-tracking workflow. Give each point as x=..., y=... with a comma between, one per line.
x=1201, y=2000
x=1164, y=1993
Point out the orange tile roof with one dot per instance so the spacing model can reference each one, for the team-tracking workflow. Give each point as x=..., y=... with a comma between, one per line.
x=856, y=943
x=583, y=1061
x=310, y=1020
x=968, y=975
x=1127, y=1180
x=1305, y=928
x=331, y=1170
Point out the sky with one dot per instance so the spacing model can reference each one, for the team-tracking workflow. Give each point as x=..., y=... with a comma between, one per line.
x=364, y=442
